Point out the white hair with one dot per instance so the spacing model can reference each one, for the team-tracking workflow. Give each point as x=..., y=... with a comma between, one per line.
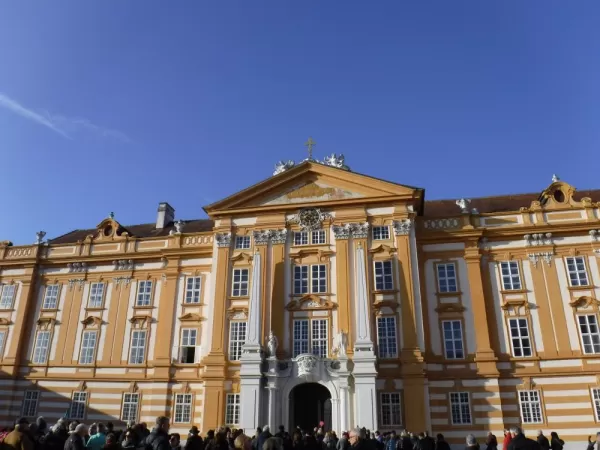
x=266, y=428
x=471, y=439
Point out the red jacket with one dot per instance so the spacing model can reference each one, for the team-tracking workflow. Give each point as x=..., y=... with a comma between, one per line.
x=507, y=439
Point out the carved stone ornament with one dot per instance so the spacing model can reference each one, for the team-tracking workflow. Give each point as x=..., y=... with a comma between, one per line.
x=537, y=239
x=124, y=280
x=441, y=224
x=341, y=343
x=338, y=161
x=74, y=281
x=313, y=304
x=310, y=219
x=179, y=226
x=40, y=237
x=361, y=230
x=463, y=204
x=123, y=264
x=342, y=231
x=595, y=235
x=239, y=315
x=223, y=239
x=77, y=267
x=355, y=230
x=282, y=166
x=263, y=237
x=402, y=227
x=306, y=364
x=535, y=258
x=272, y=344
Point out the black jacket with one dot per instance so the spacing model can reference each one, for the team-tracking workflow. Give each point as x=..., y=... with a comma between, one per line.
x=157, y=440
x=442, y=445
x=520, y=442
x=543, y=441
x=75, y=442
x=427, y=443
x=194, y=442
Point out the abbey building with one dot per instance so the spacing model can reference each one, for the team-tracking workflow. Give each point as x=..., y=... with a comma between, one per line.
x=318, y=294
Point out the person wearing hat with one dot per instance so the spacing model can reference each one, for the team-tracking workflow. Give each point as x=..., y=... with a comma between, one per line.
x=19, y=438
x=194, y=441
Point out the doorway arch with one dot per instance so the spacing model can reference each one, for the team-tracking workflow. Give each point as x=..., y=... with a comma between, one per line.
x=310, y=404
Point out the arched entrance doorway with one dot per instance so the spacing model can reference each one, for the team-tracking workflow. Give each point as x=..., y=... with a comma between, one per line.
x=310, y=403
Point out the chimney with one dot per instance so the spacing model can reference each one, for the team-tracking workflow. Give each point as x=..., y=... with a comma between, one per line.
x=166, y=215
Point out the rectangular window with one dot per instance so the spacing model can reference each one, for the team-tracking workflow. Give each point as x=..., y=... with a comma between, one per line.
x=590, y=335
x=531, y=408
x=319, y=337
x=242, y=242
x=144, y=293
x=596, y=400
x=384, y=280
x=138, y=347
x=96, y=295
x=511, y=279
x=577, y=272
x=192, y=290
x=88, y=347
x=301, y=340
x=300, y=238
x=40, y=349
x=2, y=343
x=183, y=408
x=447, y=277
x=77, y=409
x=381, y=233
x=232, y=409
x=519, y=337
x=453, y=340
x=390, y=409
x=129, y=412
x=30, y=403
x=187, y=350
x=386, y=337
x=318, y=237
x=460, y=408
x=237, y=337
x=319, y=278
x=51, y=297
x=240, y=283
x=8, y=294
x=300, y=279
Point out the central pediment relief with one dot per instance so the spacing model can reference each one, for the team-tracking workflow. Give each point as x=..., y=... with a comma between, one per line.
x=191, y=317
x=310, y=302
x=311, y=192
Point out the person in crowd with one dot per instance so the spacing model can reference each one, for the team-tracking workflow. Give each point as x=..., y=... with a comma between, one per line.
x=356, y=440
x=543, y=441
x=255, y=438
x=343, y=443
x=406, y=441
x=507, y=439
x=175, y=441
x=112, y=443
x=58, y=435
x=556, y=443
x=471, y=443
x=392, y=442
x=426, y=442
x=242, y=442
x=130, y=439
x=520, y=442
x=272, y=443
x=194, y=441
x=263, y=436
x=297, y=441
x=491, y=443
x=440, y=443
x=76, y=440
x=93, y=429
x=98, y=440
x=19, y=438
x=596, y=443
x=158, y=439
x=329, y=442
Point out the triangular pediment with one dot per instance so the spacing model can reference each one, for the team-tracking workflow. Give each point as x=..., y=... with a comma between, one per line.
x=315, y=184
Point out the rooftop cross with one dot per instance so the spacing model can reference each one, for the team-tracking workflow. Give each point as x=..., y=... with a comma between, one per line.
x=309, y=145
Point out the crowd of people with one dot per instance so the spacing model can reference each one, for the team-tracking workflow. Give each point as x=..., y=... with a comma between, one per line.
x=65, y=435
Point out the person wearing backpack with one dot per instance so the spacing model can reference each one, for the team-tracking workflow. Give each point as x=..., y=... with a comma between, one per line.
x=556, y=443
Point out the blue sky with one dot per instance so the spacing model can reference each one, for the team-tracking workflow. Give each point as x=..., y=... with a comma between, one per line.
x=118, y=105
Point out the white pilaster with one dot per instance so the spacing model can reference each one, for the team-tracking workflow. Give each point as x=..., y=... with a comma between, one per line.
x=363, y=325
x=272, y=407
x=343, y=408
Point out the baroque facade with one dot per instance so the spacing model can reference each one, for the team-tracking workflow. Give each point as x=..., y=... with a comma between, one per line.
x=316, y=294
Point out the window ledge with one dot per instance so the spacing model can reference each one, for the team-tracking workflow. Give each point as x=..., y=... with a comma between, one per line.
x=7, y=309
x=316, y=294
x=49, y=310
x=581, y=288
x=195, y=304
x=448, y=294
x=241, y=297
x=143, y=307
x=513, y=291
x=95, y=308
x=386, y=291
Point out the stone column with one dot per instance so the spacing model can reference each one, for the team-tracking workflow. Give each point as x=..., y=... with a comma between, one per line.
x=166, y=313
x=278, y=239
x=272, y=418
x=250, y=372
x=343, y=408
x=342, y=236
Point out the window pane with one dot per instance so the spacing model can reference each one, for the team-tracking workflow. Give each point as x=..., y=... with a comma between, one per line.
x=237, y=338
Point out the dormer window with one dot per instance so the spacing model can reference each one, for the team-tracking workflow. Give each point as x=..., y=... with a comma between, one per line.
x=108, y=230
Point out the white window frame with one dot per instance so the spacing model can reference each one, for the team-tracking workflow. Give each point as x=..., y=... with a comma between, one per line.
x=318, y=237
x=520, y=337
x=592, y=336
x=511, y=276
x=51, y=294
x=595, y=393
x=96, y=299
x=78, y=405
x=232, y=409
x=577, y=275
x=143, y=297
x=130, y=407
x=530, y=404
x=381, y=233
x=310, y=335
x=87, y=353
x=41, y=347
x=243, y=242
x=387, y=340
x=31, y=400
x=7, y=297
x=310, y=278
x=460, y=403
x=237, y=337
x=445, y=278
x=450, y=347
x=384, y=275
x=390, y=405
x=3, y=334
x=300, y=238
x=136, y=350
x=318, y=278
x=183, y=408
x=193, y=290
x=189, y=339
x=239, y=286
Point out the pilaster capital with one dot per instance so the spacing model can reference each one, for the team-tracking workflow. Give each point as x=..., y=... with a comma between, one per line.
x=263, y=237
x=355, y=230
x=402, y=227
x=223, y=239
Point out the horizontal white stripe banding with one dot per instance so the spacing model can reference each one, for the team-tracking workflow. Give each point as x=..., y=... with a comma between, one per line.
x=146, y=408
x=485, y=382
x=155, y=386
x=106, y=396
x=199, y=409
x=561, y=363
x=563, y=380
x=148, y=419
x=439, y=421
x=62, y=370
x=489, y=420
x=435, y=367
x=593, y=361
x=58, y=384
x=583, y=418
x=104, y=417
x=510, y=382
x=104, y=406
x=442, y=384
x=111, y=371
x=107, y=385
x=56, y=404
x=568, y=405
x=155, y=397
x=438, y=397
x=439, y=409
x=487, y=408
x=49, y=394
x=567, y=393
x=6, y=402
